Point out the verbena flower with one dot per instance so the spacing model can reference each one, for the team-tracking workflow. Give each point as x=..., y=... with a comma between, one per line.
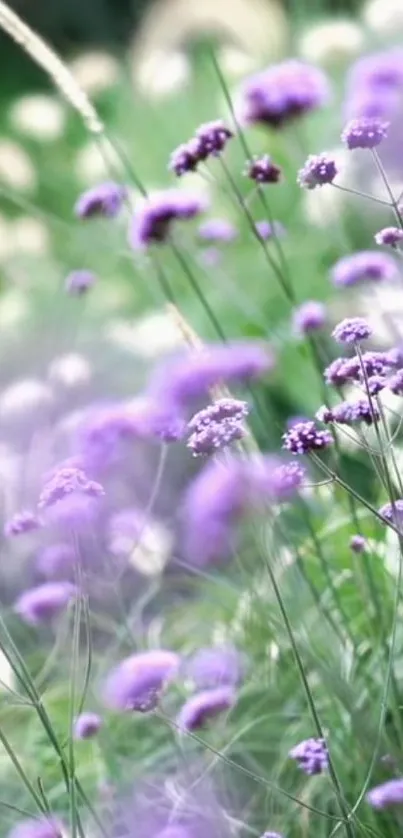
x=338, y=372
x=210, y=140
x=68, y=481
x=21, y=523
x=305, y=437
x=79, y=282
x=106, y=199
x=364, y=133
x=186, y=157
x=268, y=230
x=393, y=513
x=386, y=794
x=311, y=756
x=352, y=330
x=391, y=236
x=319, y=169
x=44, y=602
x=217, y=425
x=200, y=708
x=282, y=92
x=309, y=317
x=56, y=560
x=357, y=543
x=395, y=383
x=364, y=266
x=137, y=682
x=42, y=827
x=87, y=725
x=280, y=481
x=375, y=384
x=350, y=412
x=152, y=222
x=217, y=230
x=214, y=666
x=263, y=170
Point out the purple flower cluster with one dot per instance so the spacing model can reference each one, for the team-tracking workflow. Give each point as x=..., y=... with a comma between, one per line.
x=364, y=133
x=205, y=705
x=87, y=725
x=210, y=141
x=79, y=282
x=311, y=756
x=357, y=543
x=217, y=426
x=364, y=266
x=376, y=365
x=217, y=230
x=65, y=482
x=21, y=523
x=41, y=604
x=374, y=85
x=349, y=413
x=153, y=220
x=319, y=170
x=389, y=236
x=137, y=682
x=352, y=330
x=387, y=794
x=281, y=93
x=268, y=230
x=263, y=170
x=305, y=437
x=393, y=513
x=215, y=666
x=106, y=199
x=309, y=317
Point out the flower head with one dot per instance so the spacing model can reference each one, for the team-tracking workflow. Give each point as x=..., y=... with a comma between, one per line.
x=79, y=282
x=137, y=682
x=364, y=266
x=282, y=481
x=105, y=199
x=186, y=157
x=282, y=92
x=217, y=426
x=309, y=317
x=386, y=794
x=43, y=827
x=214, y=666
x=153, y=220
x=364, y=133
x=217, y=230
x=199, y=708
x=393, y=513
x=350, y=412
x=395, y=383
x=21, y=523
x=357, y=543
x=318, y=170
x=213, y=137
x=352, y=330
x=87, y=725
x=68, y=481
x=263, y=170
x=44, y=602
x=269, y=230
x=305, y=437
x=391, y=236
x=311, y=756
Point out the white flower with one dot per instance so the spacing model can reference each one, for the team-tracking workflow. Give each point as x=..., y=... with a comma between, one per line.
x=331, y=41
x=16, y=168
x=385, y=17
x=39, y=116
x=95, y=71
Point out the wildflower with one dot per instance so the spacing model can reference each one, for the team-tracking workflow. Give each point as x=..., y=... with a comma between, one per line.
x=309, y=317
x=217, y=426
x=351, y=330
x=393, y=513
x=217, y=230
x=350, y=412
x=67, y=481
x=87, y=725
x=318, y=170
x=386, y=794
x=137, y=682
x=214, y=667
x=357, y=543
x=269, y=230
x=282, y=480
x=282, y=92
x=375, y=384
x=56, y=560
x=43, y=827
x=152, y=222
x=263, y=170
x=305, y=437
x=193, y=374
x=374, y=363
x=311, y=756
x=79, y=282
x=199, y=708
x=364, y=133
x=44, y=602
x=391, y=236
x=338, y=372
x=213, y=137
x=395, y=383
x=186, y=157
x=364, y=266
x=106, y=199
x=21, y=523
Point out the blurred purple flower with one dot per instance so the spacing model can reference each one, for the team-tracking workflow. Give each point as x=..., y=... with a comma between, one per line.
x=263, y=170
x=214, y=666
x=44, y=602
x=79, y=282
x=137, y=682
x=395, y=383
x=281, y=481
x=56, y=560
x=267, y=230
x=386, y=794
x=375, y=384
x=42, y=827
x=199, y=708
x=217, y=425
x=306, y=437
x=186, y=157
x=318, y=170
x=153, y=219
x=364, y=266
x=311, y=756
x=391, y=236
x=352, y=330
x=349, y=413
x=217, y=230
x=282, y=92
x=87, y=725
x=309, y=317
x=357, y=543
x=213, y=137
x=65, y=482
x=364, y=133
x=21, y=523
x=105, y=199
x=393, y=513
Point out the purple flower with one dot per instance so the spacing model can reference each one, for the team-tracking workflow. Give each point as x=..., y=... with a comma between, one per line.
x=217, y=230
x=387, y=794
x=213, y=137
x=217, y=426
x=21, y=523
x=309, y=317
x=43, y=827
x=352, y=330
x=267, y=230
x=364, y=266
x=87, y=725
x=214, y=667
x=282, y=92
x=391, y=236
x=318, y=170
x=364, y=133
x=263, y=170
x=137, y=682
x=44, y=602
x=280, y=481
x=311, y=756
x=192, y=375
x=349, y=413
x=395, y=383
x=393, y=513
x=374, y=363
x=357, y=543
x=338, y=372
x=79, y=282
x=105, y=199
x=199, y=708
x=375, y=384
x=56, y=560
x=186, y=157
x=68, y=481
x=306, y=437
x=153, y=220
